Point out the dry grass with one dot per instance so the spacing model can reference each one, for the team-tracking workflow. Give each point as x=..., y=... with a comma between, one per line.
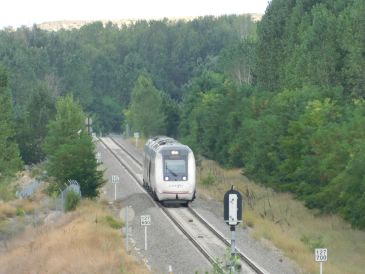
x=286, y=223
x=75, y=243
x=140, y=143
x=6, y=210
x=25, y=204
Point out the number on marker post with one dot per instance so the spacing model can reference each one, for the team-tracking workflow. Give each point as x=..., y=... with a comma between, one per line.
x=321, y=254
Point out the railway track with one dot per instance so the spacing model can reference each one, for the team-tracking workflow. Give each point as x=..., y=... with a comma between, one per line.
x=210, y=242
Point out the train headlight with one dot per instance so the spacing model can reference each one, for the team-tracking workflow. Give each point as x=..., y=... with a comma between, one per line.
x=166, y=178
x=174, y=152
x=184, y=178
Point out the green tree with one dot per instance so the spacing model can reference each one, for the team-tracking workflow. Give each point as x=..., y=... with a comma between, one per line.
x=238, y=61
x=70, y=150
x=271, y=44
x=352, y=41
x=10, y=161
x=172, y=111
x=145, y=113
x=32, y=125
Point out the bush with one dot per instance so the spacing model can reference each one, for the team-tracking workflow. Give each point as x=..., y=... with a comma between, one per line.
x=208, y=180
x=72, y=200
x=7, y=191
x=20, y=212
x=312, y=242
x=113, y=223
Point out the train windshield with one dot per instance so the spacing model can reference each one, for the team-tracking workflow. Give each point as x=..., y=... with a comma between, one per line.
x=175, y=168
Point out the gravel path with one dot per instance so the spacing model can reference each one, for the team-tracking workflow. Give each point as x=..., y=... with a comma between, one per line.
x=264, y=253
x=267, y=256
x=166, y=246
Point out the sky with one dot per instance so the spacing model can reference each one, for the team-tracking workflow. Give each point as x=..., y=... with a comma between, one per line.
x=16, y=13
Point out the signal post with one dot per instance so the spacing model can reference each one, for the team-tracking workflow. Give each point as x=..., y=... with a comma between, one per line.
x=233, y=216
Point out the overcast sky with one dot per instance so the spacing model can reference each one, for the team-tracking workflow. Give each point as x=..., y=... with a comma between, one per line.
x=28, y=12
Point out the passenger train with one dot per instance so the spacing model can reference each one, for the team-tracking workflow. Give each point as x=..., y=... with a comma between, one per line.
x=169, y=170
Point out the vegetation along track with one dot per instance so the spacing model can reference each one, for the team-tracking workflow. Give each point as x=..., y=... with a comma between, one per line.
x=185, y=218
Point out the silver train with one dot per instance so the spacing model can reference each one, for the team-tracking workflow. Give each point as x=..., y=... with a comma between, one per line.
x=169, y=170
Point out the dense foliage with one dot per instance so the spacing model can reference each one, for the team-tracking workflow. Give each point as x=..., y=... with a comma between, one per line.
x=72, y=200
x=309, y=42
x=10, y=161
x=141, y=116
x=300, y=127
x=284, y=102
x=100, y=64
x=70, y=150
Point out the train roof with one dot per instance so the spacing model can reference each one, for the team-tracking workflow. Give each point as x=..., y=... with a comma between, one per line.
x=158, y=142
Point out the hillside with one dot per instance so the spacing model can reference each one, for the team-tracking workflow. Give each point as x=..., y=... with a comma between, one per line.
x=35, y=237
x=77, y=24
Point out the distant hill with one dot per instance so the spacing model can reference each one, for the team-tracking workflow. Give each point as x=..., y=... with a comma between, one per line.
x=76, y=24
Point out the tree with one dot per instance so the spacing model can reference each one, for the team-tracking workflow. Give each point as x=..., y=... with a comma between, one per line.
x=271, y=44
x=70, y=150
x=238, y=60
x=10, y=161
x=145, y=113
x=32, y=125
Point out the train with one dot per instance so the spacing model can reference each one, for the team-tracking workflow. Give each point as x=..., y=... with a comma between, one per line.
x=169, y=170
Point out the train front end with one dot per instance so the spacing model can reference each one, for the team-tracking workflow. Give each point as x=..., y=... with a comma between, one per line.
x=178, y=175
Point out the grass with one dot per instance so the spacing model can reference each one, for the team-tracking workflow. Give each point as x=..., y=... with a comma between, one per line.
x=83, y=241
x=112, y=222
x=75, y=243
x=6, y=210
x=140, y=143
x=287, y=223
x=7, y=191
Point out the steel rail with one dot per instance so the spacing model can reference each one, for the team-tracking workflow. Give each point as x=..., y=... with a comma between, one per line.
x=221, y=237
x=243, y=257
x=126, y=151
x=130, y=171
x=183, y=230
x=179, y=226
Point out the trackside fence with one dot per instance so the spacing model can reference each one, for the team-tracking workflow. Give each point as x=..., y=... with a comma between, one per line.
x=72, y=185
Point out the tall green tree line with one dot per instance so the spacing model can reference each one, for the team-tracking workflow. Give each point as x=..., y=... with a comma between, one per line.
x=10, y=161
x=100, y=64
x=298, y=126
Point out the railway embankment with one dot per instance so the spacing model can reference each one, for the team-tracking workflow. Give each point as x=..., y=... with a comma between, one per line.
x=277, y=228
x=37, y=238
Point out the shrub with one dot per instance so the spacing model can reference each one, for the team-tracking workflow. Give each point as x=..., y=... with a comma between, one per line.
x=312, y=242
x=7, y=191
x=20, y=212
x=72, y=200
x=113, y=223
x=208, y=180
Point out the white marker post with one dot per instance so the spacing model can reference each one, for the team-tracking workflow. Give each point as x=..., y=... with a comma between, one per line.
x=145, y=221
x=115, y=181
x=136, y=136
x=98, y=157
x=88, y=123
x=320, y=255
x=126, y=229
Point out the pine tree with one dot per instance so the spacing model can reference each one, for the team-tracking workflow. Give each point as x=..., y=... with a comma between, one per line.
x=70, y=150
x=145, y=112
x=10, y=161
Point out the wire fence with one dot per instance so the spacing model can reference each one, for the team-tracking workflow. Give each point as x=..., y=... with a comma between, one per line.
x=28, y=190
x=74, y=186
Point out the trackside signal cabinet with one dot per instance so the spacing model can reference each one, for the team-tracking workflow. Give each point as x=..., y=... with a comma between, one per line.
x=232, y=207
